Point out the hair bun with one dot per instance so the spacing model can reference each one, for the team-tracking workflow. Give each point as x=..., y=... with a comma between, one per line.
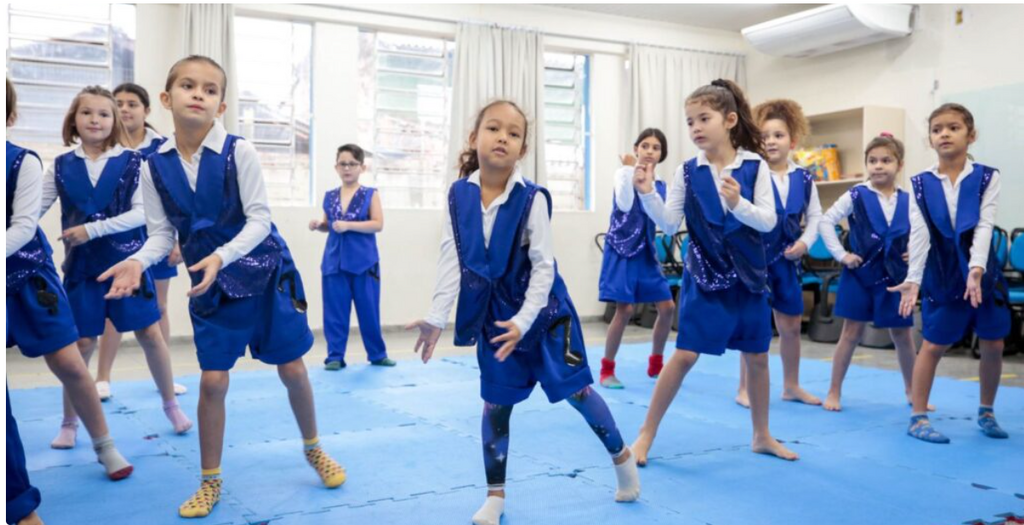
x=720, y=83
x=886, y=134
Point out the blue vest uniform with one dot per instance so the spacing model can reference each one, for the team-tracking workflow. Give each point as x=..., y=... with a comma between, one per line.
x=257, y=301
x=863, y=294
x=82, y=203
x=783, y=274
x=351, y=273
x=161, y=270
x=630, y=271
x=39, y=317
x=946, y=315
x=724, y=296
x=493, y=288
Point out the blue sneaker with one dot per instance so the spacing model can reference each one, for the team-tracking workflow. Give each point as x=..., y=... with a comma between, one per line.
x=989, y=426
x=922, y=429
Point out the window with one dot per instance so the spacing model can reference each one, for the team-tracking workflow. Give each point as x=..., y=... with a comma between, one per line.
x=405, y=86
x=567, y=130
x=274, y=103
x=55, y=51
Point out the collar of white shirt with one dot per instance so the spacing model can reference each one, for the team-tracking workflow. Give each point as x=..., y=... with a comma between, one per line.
x=968, y=168
x=148, y=138
x=741, y=156
x=516, y=178
x=870, y=186
x=214, y=140
x=110, y=153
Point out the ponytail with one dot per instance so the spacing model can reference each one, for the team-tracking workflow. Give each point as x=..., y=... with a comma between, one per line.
x=725, y=96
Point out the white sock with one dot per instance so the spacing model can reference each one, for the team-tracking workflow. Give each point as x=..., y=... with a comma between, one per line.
x=628, y=477
x=490, y=512
x=108, y=455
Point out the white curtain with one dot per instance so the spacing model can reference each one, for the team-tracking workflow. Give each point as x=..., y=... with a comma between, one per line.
x=659, y=82
x=210, y=31
x=498, y=63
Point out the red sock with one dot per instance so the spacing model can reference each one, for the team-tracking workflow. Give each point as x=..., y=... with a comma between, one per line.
x=654, y=364
x=607, y=368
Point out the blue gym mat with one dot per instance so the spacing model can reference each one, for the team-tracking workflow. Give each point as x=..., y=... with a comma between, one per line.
x=409, y=439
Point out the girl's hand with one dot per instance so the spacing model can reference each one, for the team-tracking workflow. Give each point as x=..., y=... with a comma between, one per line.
x=973, y=291
x=508, y=340
x=127, y=276
x=627, y=159
x=908, y=297
x=852, y=261
x=429, y=334
x=75, y=236
x=906, y=257
x=315, y=225
x=731, y=191
x=643, y=179
x=210, y=266
x=796, y=251
x=174, y=258
x=340, y=226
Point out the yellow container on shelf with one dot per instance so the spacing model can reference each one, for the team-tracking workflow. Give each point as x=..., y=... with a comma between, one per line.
x=829, y=155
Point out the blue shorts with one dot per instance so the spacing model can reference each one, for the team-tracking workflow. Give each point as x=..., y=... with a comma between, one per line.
x=39, y=317
x=787, y=294
x=711, y=322
x=272, y=325
x=634, y=280
x=512, y=381
x=874, y=304
x=162, y=270
x=129, y=314
x=945, y=324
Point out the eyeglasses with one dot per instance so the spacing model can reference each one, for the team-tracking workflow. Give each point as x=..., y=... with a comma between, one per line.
x=349, y=165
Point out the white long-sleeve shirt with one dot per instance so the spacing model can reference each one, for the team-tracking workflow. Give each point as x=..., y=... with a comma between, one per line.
x=541, y=254
x=842, y=209
x=623, y=190
x=126, y=221
x=920, y=238
x=252, y=192
x=813, y=211
x=25, y=206
x=759, y=215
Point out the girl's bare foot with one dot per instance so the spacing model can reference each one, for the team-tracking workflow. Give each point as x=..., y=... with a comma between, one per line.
x=742, y=399
x=772, y=447
x=800, y=395
x=640, y=447
x=832, y=402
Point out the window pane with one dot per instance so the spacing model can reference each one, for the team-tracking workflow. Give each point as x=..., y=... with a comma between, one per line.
x=566, y=130
x=433, y=86
x=399, y=101
x=95, y=54
x=555, y=77
x=59, y=74
x=403, y=107
x=411, y=64
x=61, y=29
x=50, y=96
x=410, y=44
x=274, y=60
x=55, y=50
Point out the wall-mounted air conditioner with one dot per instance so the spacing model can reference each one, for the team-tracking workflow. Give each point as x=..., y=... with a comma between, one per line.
x=830, y=28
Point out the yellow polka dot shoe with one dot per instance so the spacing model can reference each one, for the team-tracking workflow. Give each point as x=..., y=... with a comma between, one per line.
x=331, y=473
x=202, y=502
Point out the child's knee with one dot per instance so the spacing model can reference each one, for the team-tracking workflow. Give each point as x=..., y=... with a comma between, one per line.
x=991, y=346
x=292, y=371
x=214, y=384
x=666, y=308
x=624, y=309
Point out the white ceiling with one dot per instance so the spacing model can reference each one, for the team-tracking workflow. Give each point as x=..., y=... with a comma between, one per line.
x=730, y=17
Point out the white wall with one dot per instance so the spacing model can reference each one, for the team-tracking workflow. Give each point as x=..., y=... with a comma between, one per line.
x=409, y=243
x=936, y=63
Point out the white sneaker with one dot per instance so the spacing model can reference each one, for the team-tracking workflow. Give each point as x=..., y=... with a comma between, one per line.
x=103, y=389
x=180, y=389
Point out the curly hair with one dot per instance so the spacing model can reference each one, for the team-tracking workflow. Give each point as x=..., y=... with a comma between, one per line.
x=787, y=111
